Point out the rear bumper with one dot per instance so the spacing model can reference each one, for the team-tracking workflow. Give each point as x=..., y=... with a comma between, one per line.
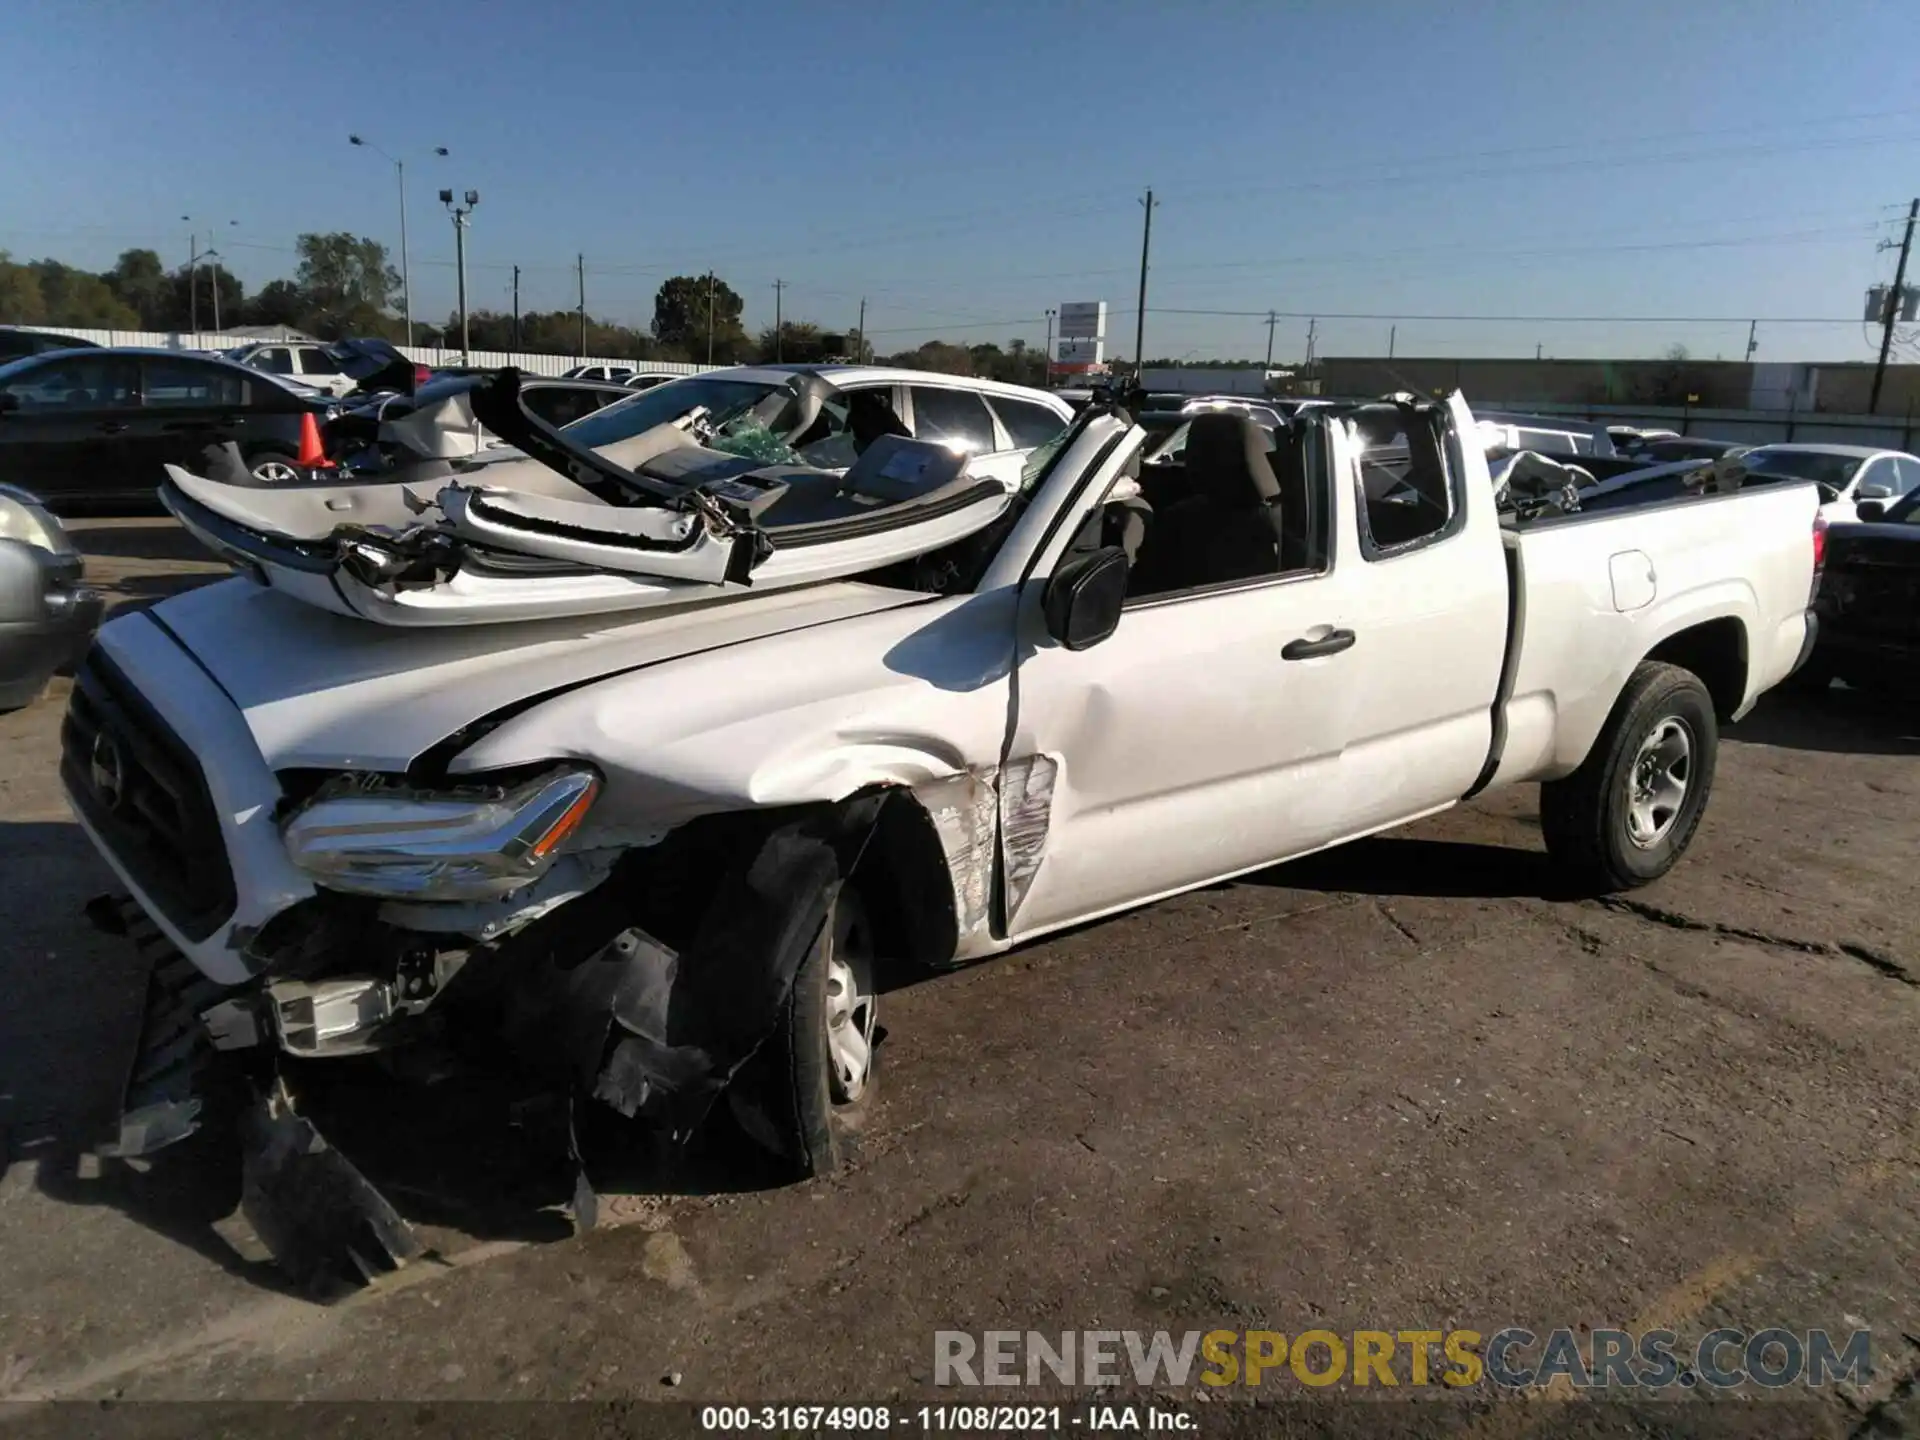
x=1892, y=657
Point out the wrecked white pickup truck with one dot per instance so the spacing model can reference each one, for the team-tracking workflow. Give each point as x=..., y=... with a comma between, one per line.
x=636, y=785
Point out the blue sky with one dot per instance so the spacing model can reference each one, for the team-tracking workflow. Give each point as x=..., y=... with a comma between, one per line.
x=967, y=165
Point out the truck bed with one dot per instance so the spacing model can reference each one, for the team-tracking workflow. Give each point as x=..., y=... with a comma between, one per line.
x=1624, y=579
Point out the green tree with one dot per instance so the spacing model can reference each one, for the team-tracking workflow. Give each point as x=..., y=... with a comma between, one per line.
x=348, y=285
x=681, y=311
x=799, y=342
x=81, y=298
x=279, y=302
x=141, y=282
x=21, y=302
x=936, y=355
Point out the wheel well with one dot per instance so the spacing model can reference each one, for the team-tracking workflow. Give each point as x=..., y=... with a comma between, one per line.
x=1716, y=651
x=908, y=890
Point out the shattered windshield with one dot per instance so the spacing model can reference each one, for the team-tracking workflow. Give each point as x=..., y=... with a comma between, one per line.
x=724, y=400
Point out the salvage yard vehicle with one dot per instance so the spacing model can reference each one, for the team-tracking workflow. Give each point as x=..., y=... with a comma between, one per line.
x=100, y=425
x=1848, y=475
x=784, y=727
x=47, y=616
x=1868, y=606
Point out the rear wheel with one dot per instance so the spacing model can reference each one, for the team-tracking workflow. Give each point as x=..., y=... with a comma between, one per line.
x=274, y=467
x=810, y=1086
x=1627, y=815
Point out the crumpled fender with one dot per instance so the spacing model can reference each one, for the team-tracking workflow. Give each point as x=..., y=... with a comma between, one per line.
x=658, y=1035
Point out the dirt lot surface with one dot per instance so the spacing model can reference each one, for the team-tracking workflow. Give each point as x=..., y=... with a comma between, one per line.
x=1398, y=1086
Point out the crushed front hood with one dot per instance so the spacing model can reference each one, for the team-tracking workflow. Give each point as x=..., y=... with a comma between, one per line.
x=323, y=691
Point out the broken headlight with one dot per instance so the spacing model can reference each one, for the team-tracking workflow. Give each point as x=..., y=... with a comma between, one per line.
x=426, y=846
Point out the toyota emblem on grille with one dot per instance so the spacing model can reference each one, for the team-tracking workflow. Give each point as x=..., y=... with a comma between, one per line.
x=108, y=771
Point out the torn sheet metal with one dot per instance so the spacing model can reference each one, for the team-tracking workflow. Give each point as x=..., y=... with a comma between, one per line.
x=1026, y=810
x=324, y=1223
x=965, y=814
x=701, y=546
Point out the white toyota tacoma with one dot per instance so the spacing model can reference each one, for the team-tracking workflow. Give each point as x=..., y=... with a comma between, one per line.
x=642, y=785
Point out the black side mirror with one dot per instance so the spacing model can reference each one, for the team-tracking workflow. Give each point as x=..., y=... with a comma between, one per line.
x=1083, y=599
x=1869, y=511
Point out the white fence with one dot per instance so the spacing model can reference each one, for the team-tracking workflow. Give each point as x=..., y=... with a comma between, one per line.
x=423, y=354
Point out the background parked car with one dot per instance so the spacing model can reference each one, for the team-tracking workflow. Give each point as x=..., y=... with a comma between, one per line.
x=1665, y=449
x=1868, y=603
x=353, y=437
x=647, y=379
x=617, y=373
x=47, y=617
x=1846, y=474
x=324, y=367
x=92, y=426
x=16, y=342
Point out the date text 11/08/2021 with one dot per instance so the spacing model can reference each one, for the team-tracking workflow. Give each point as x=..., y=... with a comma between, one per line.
x=937, y=1419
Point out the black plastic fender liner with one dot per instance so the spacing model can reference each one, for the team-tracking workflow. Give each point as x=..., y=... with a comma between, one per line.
x=658, y=1035
x=326, y=1226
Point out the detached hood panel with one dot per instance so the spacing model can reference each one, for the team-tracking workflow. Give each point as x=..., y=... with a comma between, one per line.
x=325, y=691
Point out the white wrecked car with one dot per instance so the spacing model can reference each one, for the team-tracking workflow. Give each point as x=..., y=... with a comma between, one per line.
x=639, y=783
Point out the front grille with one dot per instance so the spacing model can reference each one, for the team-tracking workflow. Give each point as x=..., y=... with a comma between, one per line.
x=144, y=793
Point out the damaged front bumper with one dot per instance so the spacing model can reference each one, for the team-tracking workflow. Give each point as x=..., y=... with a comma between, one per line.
x=587, y=1004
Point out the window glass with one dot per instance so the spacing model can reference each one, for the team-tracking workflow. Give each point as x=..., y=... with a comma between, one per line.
x=957, y=418
x=315, y=362
x=561, y=404
x=183, y=382
x=1906, y=474
x=77, y=383
x=828, y=443
x=1404, y=482
x=1774, y=466
x=1224, y=511
x=723, y=400
x=1027, y=423
x=1878, y=472
x=275, y=360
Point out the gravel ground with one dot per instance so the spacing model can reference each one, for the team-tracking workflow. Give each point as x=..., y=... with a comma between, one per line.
x=1392, y=1087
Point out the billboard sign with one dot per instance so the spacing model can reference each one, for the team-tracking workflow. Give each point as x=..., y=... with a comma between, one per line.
x=1082, y=352
x=1083, y=320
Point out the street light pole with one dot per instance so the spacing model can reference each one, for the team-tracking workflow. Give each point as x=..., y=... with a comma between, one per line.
x=1046, y=382
x=460, y=214
x=709, y=317
x=400, y=180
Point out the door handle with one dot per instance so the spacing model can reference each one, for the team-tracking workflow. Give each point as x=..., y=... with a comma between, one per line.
x=112, y=427
x=1331, y=643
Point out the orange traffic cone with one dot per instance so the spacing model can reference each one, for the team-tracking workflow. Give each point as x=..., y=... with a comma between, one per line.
x=313, y=455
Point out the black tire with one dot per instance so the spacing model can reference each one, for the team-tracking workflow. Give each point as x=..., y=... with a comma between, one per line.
x=1588, y=818
x=260, y=458
x=791, y=1098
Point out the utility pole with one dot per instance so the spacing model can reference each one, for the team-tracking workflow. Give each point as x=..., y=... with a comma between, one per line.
x=1893, y=309
x=516, y=307
x=779, y=336
x=580, y=268
x=193, y=283
x=213, y=274
x=1393, y=334
x=861, y=354
x=1271, y=318
x=1046, y=374
x=1140, y=319
x=1537, y=347
x=1753, y=338
x=1312, y=327
x=460, y=214
x=709, y=317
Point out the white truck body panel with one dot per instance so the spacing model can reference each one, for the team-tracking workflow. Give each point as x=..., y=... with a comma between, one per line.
x=1180, y=750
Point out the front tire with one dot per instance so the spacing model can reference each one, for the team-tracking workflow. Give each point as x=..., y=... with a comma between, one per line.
x=1627, y=815
x=808, y=1090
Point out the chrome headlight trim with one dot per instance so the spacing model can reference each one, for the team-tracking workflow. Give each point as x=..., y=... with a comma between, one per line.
x=423, y=845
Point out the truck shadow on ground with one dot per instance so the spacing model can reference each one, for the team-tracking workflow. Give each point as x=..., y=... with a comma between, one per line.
x=1837, y=721
x=1390, y=865
x=158, y=538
